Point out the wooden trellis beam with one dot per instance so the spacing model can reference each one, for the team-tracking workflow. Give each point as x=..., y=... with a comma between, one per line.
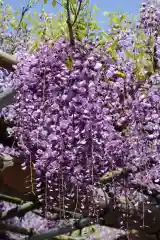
x=7, y=61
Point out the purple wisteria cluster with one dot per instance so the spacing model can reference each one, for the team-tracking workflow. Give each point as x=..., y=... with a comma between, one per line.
x=147, y=130
x=150, y=17
x=61, y=117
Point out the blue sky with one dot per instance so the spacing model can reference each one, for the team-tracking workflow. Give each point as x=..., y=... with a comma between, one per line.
x=127, y=6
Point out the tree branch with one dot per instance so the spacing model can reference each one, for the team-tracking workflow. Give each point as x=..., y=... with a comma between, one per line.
x=7, y=61
x=59, y=231
x=15, y=229
x=19, y=211
x=7, y=160
x=7, y=97
x=77, y=14
x=6, y=198
x=70, y=29
x=23, y=12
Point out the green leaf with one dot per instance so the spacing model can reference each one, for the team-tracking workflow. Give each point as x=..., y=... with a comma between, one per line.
x=102, y=42
x=13, y=24
x=105, y=13
x=73, y=2
x=141, y=76
x=69, y=63
x=45, y=1
x=110, y=175
x=92, y=35
x=95, y=8
x=142, y=35
x=150, y=41
x=129, y=54
x=140, y=45
x=54, y=3
x=113, y=54
x=120, y=74
x=23, y=25
x=115, y=20
x=122, y=18
x=35, y=45
x=75, y=233
x=80, y=35
x=140, y=55
x=114, y=44
x=9, y=11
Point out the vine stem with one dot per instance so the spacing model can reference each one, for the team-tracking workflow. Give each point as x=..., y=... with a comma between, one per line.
x=70, y=29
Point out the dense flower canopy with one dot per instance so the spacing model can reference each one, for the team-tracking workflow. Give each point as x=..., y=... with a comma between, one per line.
x=63, y=123
x=77, y=118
